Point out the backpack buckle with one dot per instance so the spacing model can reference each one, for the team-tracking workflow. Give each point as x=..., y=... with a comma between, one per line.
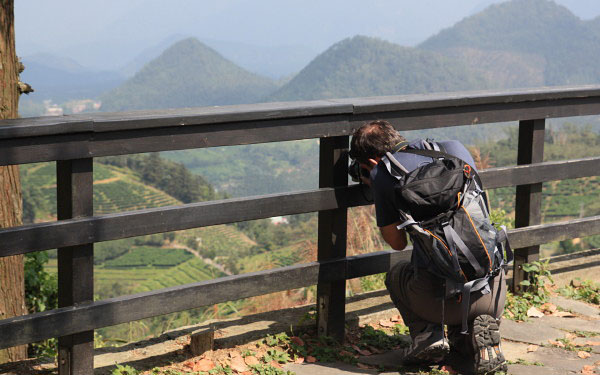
x=467, y=170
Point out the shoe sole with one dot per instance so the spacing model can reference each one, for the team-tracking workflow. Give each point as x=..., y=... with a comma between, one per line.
x=434, y=354
x=486, y=342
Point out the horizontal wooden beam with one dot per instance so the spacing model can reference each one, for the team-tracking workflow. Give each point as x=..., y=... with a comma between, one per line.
x=103, y=134
x=50, y=235
x=540, y=172
x=88, y=316
x=84, y=317
x=63, y=233
x=545, y=233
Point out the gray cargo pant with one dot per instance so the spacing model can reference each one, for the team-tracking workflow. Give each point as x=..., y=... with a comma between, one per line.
x=419, y=299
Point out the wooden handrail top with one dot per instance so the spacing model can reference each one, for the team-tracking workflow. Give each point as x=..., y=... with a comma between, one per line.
x=103, y=122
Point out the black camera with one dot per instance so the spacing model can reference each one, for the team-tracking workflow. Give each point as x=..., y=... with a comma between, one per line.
x=356, y=171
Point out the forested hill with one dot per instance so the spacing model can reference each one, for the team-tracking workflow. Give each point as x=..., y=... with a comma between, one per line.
x=188, y=74
x=559, y=46
x=363, y=66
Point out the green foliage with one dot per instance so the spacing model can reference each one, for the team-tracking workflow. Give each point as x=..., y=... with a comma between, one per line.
x=587, y=290
x=171, y=177
x=521, y=361
x=570, y=346
x=265, y=369
x=534, y=293
x=363, y=66
x=278, y=339
x=147, y=256
x=41, y=288
x=277, y=356
x=255, y=169
x=41, y=294
x=124, y=370
x=373, y=282
x=104, y=251
x=381, y=340
x=188, y=74
x=538, y=29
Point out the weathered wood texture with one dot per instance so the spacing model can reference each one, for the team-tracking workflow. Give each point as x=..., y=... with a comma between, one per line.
x=46, y=139
x=332, y=234
x=88, y=316
x=79, y=137
x=74, y=179
x=43, y=236
x=528, y=199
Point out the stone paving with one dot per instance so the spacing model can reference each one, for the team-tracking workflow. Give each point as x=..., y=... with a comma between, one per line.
x=530, y=347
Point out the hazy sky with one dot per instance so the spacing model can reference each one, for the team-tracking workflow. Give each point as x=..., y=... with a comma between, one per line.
x=109, y=33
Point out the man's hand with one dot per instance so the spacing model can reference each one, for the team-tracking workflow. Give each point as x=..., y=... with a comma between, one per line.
x=394, y=237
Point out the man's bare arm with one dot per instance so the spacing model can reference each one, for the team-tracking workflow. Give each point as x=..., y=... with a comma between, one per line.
x=394, y=237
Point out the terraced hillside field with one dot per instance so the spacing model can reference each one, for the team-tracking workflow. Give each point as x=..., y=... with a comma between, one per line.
x=115, y=189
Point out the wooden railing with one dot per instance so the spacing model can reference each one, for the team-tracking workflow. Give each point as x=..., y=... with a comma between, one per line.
x=75, y=140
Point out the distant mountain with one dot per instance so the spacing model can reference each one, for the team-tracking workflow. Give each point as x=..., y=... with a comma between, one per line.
x=188, y=74
x=148, y=55
x=542, y=37
x=61, y=79
x=363, y=66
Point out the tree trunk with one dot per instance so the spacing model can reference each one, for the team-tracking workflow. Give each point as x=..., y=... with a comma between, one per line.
x=12, y=289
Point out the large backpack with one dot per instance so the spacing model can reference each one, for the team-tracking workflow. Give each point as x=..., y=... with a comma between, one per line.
x=446, y=216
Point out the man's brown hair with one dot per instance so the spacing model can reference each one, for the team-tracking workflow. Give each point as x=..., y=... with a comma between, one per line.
x=374, y=139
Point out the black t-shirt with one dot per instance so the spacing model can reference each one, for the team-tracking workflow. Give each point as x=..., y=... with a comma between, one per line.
x=382, y=183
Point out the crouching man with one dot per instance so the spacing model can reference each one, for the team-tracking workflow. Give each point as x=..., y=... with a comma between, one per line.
x=415, y=287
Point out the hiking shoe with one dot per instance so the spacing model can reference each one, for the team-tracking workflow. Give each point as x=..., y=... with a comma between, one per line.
x=485, y=335
x=427, y=347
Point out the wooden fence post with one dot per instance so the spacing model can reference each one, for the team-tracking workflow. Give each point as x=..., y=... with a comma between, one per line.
x=331, y=297
x=74, y=179
x=528, y=201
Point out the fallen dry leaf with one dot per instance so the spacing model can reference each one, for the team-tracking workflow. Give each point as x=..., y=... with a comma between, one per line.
x=396, y=318
x=448, y=369
x=251, y=360
x=570, y=336
x=386, y=323
x=246, y=373
x=346, y=353
x=533, y=312
x=297, y=340
x=563, y=314
x=299, y=360
x=592, y=343
x=583, y=355
x=588, y=370
x=238, y=364
x=532, y=348
x=311, y=359
x=374, y=350
x=548, y=308
x=556, y=343
x=361, y=351
x=275, y=364
x=363, y=366
x=204, y=364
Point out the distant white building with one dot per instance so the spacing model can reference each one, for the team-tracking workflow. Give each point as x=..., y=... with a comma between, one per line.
x=279, y=220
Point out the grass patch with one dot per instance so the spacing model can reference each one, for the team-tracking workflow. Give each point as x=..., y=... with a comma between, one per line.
x=587, y=291
x=148, y=256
